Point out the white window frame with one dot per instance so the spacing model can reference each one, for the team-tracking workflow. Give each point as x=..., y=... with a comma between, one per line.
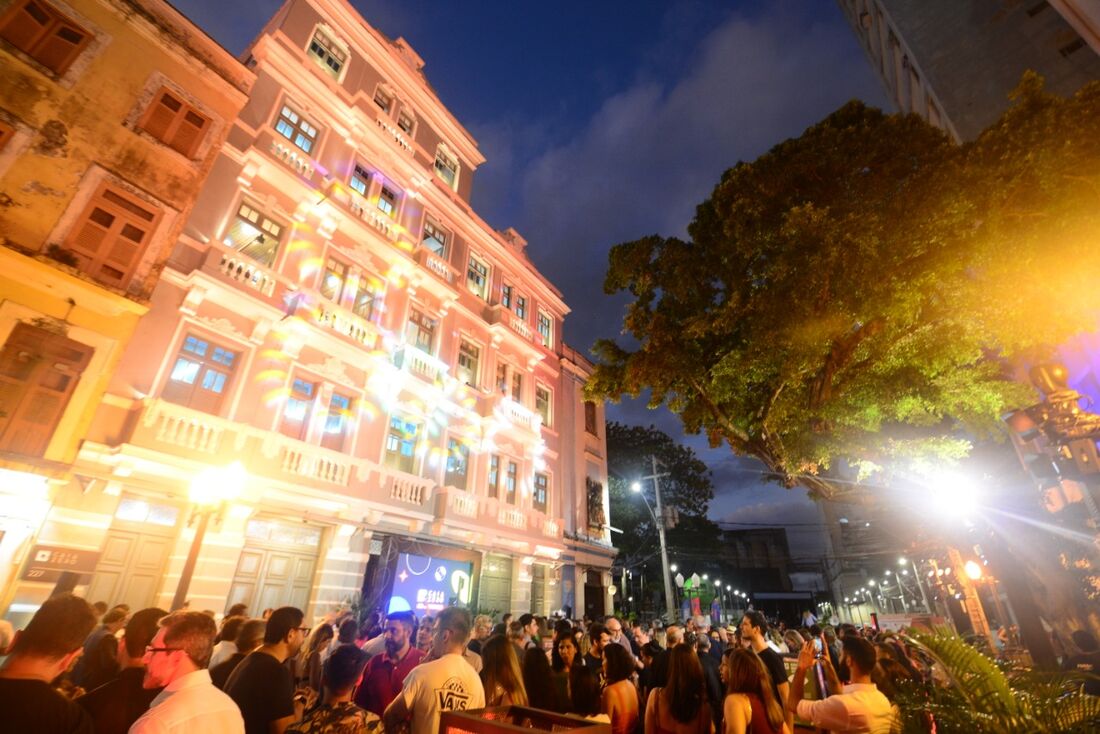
x=334, y=44
x=475, y=378
x=548, y=336
x=444, y=153
x=384, y=91
x=483, y=291
x=548, y=419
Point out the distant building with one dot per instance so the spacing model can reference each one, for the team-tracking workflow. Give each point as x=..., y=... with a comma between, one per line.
x=111, y=116
x=954, y=62
x=388, y=369
x=758, y=559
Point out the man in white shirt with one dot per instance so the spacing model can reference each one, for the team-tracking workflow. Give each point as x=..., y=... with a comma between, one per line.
x=860, y=708
x=448, y=683
x=189, y=703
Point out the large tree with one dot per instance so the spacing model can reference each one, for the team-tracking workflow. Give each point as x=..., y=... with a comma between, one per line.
x=858, y=293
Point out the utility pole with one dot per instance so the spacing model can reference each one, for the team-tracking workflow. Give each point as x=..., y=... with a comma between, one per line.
x=670, y=606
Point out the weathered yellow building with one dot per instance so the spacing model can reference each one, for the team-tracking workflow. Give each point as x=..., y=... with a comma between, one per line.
x=111, y=115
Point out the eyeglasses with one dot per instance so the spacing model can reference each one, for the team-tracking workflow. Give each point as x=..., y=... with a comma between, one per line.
x=155, y=650
x=307, y=630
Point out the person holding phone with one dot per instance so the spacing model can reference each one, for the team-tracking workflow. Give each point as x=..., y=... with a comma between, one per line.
x=859, y=708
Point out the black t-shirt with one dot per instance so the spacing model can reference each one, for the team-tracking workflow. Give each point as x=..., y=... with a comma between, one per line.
x=778, y=672
x=33, y=706
x=116, y=705
x=220, y=673
x=264, y=691
x=1088, y=662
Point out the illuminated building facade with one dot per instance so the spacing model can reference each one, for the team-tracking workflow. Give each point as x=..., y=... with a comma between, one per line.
x=388, y=369
x=111, y=116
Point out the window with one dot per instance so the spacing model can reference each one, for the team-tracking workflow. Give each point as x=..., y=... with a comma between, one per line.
x=44, y=34
x=175, y=123
x=467, y=362
x=39, y=371
x=458, y=458
x=330, y=56
x=401, y=444
x=406, y=122
x=111, y=235
x=477, y=277
x=360, y=179
x=334, y=282
x=337, y=422
x=494, y=476
x=255, y=234
x=506, y=296
x=542, y=492
x=363, y=303
x=295, y=129
x=590, y=417
x=517, y=386
x=201, y=375
x=420, y=331
x=542, y=403
x=383, y=99
x=387, y=202
x=543, y=325
x=502, y=378
x=435, y=238
x=447, y=168
x=7, y=132
x=521, y=307
x=510, y=483
x=298, y=409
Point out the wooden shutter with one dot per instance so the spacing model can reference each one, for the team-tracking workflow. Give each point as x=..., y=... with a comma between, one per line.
x=38, y=373
x=112, y=235
x=41, y=32
x=175, y=123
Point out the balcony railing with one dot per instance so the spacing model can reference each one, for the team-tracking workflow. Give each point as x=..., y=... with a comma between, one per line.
x=510, y=517
x=396, y=135
x=372, y=215
x=184, y=428
x=419, y=363
x=347, y=324
x=293, y=158
x=498, y=314
x=308, y=461
x=240, y=269
x=551, y=528
x=405, y=488
x=436, y=265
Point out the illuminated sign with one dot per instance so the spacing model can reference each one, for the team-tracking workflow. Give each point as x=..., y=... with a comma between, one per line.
x=425, y=584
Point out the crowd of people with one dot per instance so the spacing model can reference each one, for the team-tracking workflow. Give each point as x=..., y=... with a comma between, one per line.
x=109, y=671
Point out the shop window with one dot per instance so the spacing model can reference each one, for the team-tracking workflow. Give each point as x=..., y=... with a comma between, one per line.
x=540, y=499
x=337, y=422
x=458, y=459
x=39, y=30
x=175, y=123
x=112, y=234
x=420, y=331
x=298, y=409
x=328, y=54
x=39, y=371
x=477, y=277
x=294, y=128
x=401, y=442
x=543, y=403
x=468, y=357
x=255, y=234
x=201, y=375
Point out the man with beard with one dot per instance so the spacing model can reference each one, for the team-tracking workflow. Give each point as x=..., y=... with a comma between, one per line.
x=385, y=674
x=261, y=684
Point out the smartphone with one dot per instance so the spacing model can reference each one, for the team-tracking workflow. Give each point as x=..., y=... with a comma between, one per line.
x=818, y=647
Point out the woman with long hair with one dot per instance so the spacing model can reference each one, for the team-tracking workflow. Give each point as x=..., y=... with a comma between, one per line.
x=500, y=673
x=750, y=706
x=563, y=656
x=680, y=707
x=309, y=657
x=620, y=698
x=584, y=694
x=538, y=682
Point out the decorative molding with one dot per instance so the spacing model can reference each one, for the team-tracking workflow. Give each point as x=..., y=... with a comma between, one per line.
x=222, y=326
x=334, y=369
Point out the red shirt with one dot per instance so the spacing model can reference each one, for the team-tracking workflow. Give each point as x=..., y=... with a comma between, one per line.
x=383, y=679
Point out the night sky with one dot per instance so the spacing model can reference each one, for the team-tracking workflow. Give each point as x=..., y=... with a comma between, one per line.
x=603, y=122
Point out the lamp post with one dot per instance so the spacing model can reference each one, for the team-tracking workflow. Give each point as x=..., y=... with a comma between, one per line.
x=659, y=521
x=209, y=490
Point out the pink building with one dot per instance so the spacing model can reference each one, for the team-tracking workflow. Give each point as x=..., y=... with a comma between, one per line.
x=387, y=368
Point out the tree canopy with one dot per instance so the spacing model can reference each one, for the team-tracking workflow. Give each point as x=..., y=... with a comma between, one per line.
x=687, y=488
x=860, y=293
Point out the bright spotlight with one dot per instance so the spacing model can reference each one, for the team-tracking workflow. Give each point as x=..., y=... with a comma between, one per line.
x=973, y=570
x=636, y=487
x=902, y=561
x=951, y=495
x=672, y=568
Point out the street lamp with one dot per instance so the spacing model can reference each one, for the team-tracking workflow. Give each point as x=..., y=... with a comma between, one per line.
x=209, y=491
x=659, y=521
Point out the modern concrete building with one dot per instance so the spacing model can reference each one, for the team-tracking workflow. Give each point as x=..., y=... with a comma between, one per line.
x=112, y=113
x=383, y=371
x=954, y=62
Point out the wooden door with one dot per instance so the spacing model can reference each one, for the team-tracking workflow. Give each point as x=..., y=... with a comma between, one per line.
x=130, y=569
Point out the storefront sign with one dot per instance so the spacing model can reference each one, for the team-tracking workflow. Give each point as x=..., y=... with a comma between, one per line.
x=46, y=563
